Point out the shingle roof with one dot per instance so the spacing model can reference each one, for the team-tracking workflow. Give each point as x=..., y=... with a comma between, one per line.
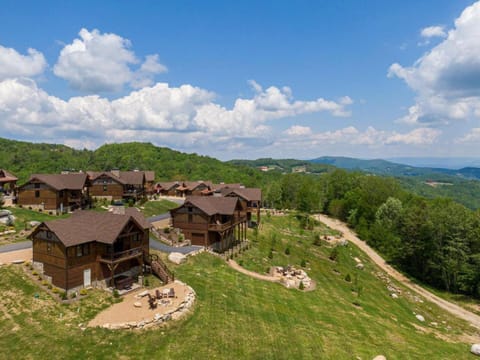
x=125, y=178
x=213, y=205
x=75, y=181
x=88, y=226
x=249, y=194
x=149, y=176
x=168, y=185
x=5, y=176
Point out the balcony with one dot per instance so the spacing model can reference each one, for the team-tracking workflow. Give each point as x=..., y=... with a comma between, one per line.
x=226, y=225
x=120, y=256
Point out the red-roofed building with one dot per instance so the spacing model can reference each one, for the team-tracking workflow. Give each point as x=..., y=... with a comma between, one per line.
x=91, y=248
x=215, y=222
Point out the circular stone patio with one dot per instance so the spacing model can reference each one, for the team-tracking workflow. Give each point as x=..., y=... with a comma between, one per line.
x=135, y=311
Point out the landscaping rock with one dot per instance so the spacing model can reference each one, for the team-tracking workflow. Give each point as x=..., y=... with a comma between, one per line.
x=379, y=357
x=420, y=318
x=475, y=349
x=34, y=223
x=394, y=296
x=360, y=266
x=177, y=258
x=137, y=304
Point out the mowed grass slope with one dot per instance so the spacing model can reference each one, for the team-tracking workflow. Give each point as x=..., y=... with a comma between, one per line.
x=236, y=316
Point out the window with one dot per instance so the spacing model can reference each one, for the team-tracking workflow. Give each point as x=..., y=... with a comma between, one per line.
x=49, y=247
x=37, y=186
x=49, y=234
x=82, y=250
x=37, y=193
x=136, y=237
x=60, y=194
x=104, y=187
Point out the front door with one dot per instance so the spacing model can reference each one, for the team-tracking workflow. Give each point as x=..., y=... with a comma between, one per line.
x=87, y=277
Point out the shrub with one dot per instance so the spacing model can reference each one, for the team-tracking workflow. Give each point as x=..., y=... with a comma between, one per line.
x=334, y=254
x=55, y=290
x=146, y=282
x=287, y=251
x=348, y=278
x=303, y=263
x=180, y=238
x=83, y=292
x=270, y=254
x=115, y=293
x=240, y=263
x=166, y=230
x=63, y=295
x=49, y=286
x=27, y=264
x=34, y=273
x=73, y=295
x=44, y=282
x=231, y=256
x=301, y=286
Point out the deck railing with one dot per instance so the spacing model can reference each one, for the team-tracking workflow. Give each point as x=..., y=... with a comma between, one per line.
x=121, y=255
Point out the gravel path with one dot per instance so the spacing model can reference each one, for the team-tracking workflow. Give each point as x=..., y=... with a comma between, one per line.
x=16, y=246
x=233, y=264
x=348, y=234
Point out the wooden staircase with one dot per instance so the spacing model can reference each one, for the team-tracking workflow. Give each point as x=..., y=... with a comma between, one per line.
x=159, y=268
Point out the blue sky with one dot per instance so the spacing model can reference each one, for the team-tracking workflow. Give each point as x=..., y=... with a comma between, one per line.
x=245, y=79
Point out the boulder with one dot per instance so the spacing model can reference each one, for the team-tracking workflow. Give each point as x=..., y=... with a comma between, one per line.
x=420, y=318
x=379, y=357
x=360, y=266
x=177, y=258
x=137, y=304
x=475, y=349
x=394, y=296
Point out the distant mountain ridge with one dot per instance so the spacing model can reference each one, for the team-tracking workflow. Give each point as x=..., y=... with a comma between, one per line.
x=384, y=167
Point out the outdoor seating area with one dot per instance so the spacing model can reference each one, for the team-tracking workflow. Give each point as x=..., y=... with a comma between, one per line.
x=147, y=307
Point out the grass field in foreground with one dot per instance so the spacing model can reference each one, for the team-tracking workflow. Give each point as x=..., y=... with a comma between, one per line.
x=237, y=317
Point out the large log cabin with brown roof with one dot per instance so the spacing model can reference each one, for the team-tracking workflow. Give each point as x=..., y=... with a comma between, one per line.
x=91, y=249
x=215, y=222
x=117, y=185
x=250, y=201
x=57, y=193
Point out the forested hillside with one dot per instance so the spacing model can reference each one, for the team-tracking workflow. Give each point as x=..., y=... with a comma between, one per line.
x=23, y=159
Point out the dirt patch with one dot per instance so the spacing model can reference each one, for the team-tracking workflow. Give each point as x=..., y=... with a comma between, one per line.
x=18, y=255
x=135, y=307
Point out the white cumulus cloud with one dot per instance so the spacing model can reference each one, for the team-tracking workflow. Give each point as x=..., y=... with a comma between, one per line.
x=446, y=79
x=14, y=64
x=183, y=117
x=102, y=62
x=433, y=31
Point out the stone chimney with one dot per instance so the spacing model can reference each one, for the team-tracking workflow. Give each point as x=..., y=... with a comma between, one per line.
x=115, y=172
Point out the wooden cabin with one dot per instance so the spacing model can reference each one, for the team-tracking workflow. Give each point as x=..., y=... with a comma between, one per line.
x=149, y=182
x=194, y=188
x=8, y=182
x=167, y=188
x=56, y=193
x=250, y=201
x=117, y=185
x=91, y=249
x=215, y=222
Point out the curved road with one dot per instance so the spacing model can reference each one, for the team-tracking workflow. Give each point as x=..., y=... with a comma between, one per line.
x=348, y=234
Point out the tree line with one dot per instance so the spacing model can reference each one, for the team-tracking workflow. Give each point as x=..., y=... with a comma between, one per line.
x=437, y=241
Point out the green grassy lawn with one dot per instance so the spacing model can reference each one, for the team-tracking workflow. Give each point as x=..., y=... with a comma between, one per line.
x=237, y=317
x=157, y=207
x=24, y=216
